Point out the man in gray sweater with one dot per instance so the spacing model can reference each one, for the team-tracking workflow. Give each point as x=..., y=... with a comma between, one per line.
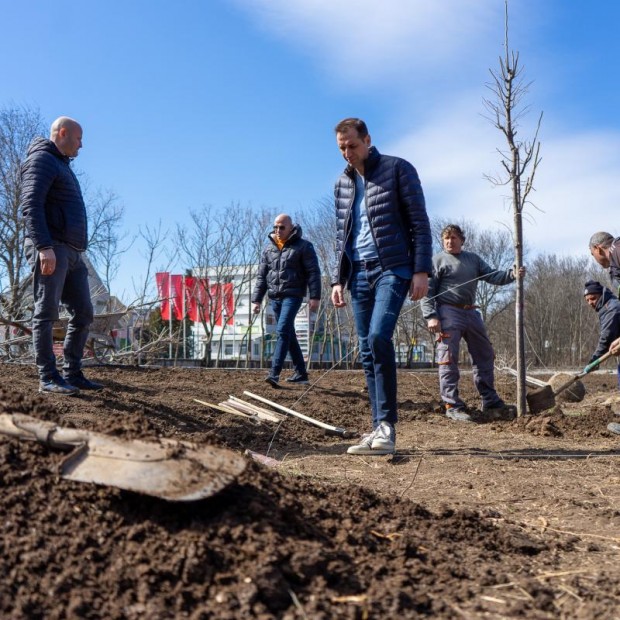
x=451, y=313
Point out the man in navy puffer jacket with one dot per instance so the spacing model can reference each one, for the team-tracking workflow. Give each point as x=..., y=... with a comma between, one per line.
x=289, y=267
x=383, y=253
x=56, y=236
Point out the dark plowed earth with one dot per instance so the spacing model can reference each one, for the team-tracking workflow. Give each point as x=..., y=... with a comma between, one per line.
x=513, y=519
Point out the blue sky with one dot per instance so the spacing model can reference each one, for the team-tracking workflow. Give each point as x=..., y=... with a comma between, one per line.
x=216, y=102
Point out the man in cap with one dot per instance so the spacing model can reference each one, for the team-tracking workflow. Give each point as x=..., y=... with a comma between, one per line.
x=607, y=306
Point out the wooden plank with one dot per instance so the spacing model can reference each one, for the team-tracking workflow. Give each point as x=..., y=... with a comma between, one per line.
x=259, y=411
x=223, y=408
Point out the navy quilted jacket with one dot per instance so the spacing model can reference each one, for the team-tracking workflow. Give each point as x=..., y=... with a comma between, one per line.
x=396, y=213
x=608, y=308
x=51, y=199
x=288, y=272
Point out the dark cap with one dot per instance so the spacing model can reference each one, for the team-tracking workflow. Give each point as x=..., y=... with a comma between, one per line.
x=593, y=288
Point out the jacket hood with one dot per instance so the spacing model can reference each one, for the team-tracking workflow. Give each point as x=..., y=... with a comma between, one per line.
x=296, y=233
x=604, y=298
x=44, y=145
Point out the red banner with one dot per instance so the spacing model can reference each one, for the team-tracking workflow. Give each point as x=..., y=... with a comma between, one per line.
x=163, y=291
x=170, y=291
x=176, y=296
x=197, y=292
x=213, y=303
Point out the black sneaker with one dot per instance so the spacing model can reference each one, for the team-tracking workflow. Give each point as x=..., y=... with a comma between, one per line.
x=297, y=378
x=57, y=385
x=499, y=412
x=273, y=381
x=82, y=383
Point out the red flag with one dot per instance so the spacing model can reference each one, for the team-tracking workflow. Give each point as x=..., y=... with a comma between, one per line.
x=222, y=303
x=163, y=290
x=215, y=291
x=198, y=298
x=190, y=292
x=176, y=295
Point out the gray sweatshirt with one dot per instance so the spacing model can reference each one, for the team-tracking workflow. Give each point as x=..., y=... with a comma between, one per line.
x=455, y=280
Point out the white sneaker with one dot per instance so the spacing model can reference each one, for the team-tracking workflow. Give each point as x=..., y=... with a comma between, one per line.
x=381, y=441
x=364, y=446
x=384, y=441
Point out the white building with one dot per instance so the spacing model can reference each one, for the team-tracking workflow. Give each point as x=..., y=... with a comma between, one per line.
x=244, y=336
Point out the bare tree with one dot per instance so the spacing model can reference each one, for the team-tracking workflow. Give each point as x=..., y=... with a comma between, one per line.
x=520, y=162
x=335, y=327
x=106, y=243
x=220, y=248
x=18, y=127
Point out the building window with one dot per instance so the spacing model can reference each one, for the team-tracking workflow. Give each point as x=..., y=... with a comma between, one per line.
x=228, y=349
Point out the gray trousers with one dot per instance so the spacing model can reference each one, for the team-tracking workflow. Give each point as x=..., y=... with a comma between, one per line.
x=457, y=323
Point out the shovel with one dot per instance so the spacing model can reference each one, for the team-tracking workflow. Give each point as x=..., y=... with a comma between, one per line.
x=544, y=398
x=172, y=470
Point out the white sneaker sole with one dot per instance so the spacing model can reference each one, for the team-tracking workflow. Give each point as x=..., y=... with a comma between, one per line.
x=368, y=451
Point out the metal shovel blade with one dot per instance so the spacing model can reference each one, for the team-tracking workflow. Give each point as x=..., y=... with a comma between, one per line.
x=544, y=398
x=172, y=470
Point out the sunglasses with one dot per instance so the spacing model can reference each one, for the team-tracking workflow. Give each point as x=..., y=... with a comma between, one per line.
x=279, y=227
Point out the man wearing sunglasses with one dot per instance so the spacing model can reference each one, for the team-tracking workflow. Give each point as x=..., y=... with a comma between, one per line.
x=289, y=267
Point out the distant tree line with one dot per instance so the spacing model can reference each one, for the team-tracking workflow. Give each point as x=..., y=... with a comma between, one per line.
x=561, y=330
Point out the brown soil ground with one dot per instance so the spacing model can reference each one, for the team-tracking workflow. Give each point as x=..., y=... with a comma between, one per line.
x=513, y=519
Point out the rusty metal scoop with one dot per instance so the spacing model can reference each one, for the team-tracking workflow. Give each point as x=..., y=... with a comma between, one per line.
x=172, y=470
x=544, y=398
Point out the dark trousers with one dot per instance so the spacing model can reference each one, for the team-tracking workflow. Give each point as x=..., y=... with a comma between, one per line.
x=68, y=285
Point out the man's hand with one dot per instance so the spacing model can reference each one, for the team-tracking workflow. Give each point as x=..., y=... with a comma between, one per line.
x=520, y=273
x=615, y=347
x=47, y=259
x=419, y=286
x=338, y=296
x=434, y=326
x=255, y=307
x=314, y=304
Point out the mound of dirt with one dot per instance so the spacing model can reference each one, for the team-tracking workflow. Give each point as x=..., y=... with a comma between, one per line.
x=324, y=535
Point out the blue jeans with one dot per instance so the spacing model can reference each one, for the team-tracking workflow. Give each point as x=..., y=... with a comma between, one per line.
x=377, y=300
x=69, y=285
x=457, y=323
x=286, y=310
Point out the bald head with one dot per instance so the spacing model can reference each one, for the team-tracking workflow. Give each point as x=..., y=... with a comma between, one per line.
x=66, y=134
x=283, y=226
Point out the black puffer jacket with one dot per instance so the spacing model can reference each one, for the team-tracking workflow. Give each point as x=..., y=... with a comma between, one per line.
x=51, y=199
x=608, y=308
x=288, y=272
x=396, y=213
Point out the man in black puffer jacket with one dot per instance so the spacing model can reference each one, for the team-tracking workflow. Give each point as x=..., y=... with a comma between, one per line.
x=383, y=253
x=56, y=237
x=289, y=267
x=607, y=306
